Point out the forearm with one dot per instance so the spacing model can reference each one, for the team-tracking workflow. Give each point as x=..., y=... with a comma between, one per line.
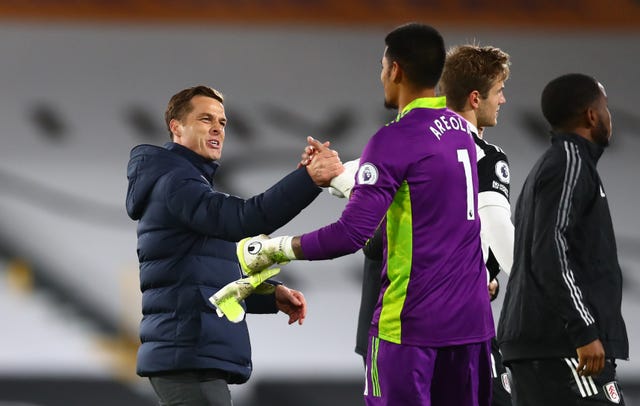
x=332, y=241
x=498, y=233
x=296, y=246
x=261, y=304
x=279, y=204
x=358, y=222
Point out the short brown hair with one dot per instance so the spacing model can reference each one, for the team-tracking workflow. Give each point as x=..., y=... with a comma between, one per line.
x=471, y=67
x=180, y=103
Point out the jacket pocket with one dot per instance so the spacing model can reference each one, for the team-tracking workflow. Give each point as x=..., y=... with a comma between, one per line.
x=221, y=339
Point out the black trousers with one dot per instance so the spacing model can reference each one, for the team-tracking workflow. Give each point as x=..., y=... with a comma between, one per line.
x=192, y=388
x=555, y=382
x=501, y=390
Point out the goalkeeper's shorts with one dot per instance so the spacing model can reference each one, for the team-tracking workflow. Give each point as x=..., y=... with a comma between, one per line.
x=411, y=375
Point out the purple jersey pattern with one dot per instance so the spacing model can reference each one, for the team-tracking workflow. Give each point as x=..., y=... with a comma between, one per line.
x=412, y=177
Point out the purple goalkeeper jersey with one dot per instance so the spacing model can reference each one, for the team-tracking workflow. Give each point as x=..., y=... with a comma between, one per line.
x=418, y=176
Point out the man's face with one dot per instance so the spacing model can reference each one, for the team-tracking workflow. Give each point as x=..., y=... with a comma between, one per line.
x=487, y=113
x=202, y=130
x=602, y=133
x=390, y=94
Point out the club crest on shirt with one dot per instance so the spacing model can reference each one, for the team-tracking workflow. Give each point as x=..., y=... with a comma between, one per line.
x=367, y=174
x=502, y=172
x=611, y=391
x=505, y=382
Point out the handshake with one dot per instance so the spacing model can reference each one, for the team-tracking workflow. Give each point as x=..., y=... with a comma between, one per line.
x=256, y=255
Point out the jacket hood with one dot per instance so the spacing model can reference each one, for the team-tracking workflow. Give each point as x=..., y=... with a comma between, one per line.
x=147, y=164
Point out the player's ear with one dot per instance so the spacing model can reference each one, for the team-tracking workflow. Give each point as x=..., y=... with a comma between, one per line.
x=175, y=127
x=474, y=99
x=395, y=72
x=591, y=117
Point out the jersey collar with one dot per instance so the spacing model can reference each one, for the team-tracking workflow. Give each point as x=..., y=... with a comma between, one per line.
x=439, y=102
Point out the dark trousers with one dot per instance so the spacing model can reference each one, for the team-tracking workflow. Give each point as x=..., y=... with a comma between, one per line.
x=501, y=383
x=554, y=382
x=192, y=388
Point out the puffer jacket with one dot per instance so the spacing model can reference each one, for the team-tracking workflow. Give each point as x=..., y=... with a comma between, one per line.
x=186, y=248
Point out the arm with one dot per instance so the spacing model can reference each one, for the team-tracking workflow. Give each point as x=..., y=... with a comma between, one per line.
x=378, y=180
x=379, y=177
x=497, y=230
x=494, y=209
x=199, y=207
x=277, y=297
x=261, y=296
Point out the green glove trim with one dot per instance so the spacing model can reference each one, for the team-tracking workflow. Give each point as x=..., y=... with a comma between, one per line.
x=227, y=300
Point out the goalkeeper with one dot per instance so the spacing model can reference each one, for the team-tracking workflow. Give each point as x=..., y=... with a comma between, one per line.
x=416, y=180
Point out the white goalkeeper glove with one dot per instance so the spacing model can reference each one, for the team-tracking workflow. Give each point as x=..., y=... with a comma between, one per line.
x=341, y=185
x=260, y=252
x=227, y=300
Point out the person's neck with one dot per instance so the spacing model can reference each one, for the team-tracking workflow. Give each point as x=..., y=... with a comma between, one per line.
x=408, y=95
x=470, y=115
x=581, y=131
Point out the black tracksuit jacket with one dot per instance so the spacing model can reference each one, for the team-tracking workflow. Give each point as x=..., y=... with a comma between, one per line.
x=565, y=287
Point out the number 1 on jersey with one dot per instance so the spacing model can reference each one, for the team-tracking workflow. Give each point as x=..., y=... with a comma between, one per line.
x=463, y=156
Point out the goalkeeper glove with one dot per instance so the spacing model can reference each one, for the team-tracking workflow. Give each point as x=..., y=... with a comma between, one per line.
x=227, y=300
x=341, y=185
x=260, y=252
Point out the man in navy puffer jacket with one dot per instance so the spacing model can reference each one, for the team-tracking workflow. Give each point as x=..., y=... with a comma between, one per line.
x=186, y=248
